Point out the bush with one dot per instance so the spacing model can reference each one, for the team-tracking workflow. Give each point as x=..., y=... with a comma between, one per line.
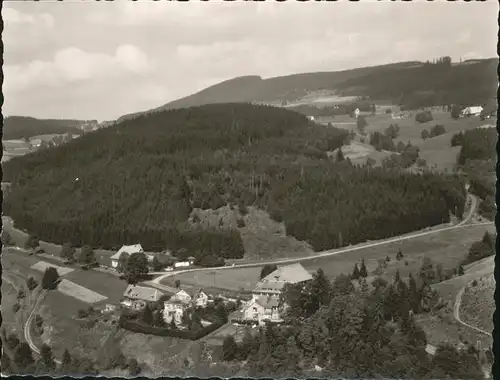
x=31, y=283
x=423, y=117
x=243, y=209
x=82, y=313
x=240, y=223
x=133, y=367
x=15, y=308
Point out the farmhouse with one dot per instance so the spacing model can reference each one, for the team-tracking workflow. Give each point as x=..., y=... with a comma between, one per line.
x=137, y=297
x=273, y=283
x=472, y=111
x=180, y=302
x=262, y=309
x=125, y=249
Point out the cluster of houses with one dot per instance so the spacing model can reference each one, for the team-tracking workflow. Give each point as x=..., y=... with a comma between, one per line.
x=174, y=263
x=265, y=304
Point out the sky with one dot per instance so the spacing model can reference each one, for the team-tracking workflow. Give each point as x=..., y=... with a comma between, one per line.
x=101, y=60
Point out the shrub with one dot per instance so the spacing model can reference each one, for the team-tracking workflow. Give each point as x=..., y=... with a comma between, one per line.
x=31, y=283
x=133, y=367
x=15, y=308
x=50, y=278
x=423, y=117
x=82, y=313
x=240, y=223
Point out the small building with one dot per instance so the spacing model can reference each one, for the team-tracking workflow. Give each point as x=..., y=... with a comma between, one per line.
x=472, y=111
x=125, y=249
x=35, y=143
x=182, y=301
x=137, y=297
x=184, y=263
x=310, y=118
x=109, y=308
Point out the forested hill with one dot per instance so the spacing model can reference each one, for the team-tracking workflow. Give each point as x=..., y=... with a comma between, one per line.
x=412, y=84
x=253, y=88
x=20, y=127
x=138, y=182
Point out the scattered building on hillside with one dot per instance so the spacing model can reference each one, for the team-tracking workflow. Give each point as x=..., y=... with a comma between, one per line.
x=137, y=297
x=273, y=283
x=109, y=308
x=125, y=249
x=310, y=118
x=176, y=306
x=357, y=112
x=472, y=111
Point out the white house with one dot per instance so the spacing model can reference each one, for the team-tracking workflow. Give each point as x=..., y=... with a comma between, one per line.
x=262, y=309
x=310, y=118
x=472, y=111
x=137, y=297
x=273, y=283
x=125, y=249
x=180, y=302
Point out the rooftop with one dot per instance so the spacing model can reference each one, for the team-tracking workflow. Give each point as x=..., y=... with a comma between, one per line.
x=292, y=274
x=142, y=293
x=127, y=249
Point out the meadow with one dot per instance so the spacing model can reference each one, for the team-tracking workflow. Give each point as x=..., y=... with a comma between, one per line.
x=447, y=248
x=437, y=151
x=478, y=304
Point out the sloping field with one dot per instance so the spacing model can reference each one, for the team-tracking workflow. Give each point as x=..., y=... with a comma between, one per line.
x=42, y=266
x=81, y=293
x=438, y=152
x=478, y=305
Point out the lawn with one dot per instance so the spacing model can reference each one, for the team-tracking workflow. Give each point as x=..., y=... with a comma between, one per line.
x=103, y=283
x=81, y=293
x=42, y=266
x=447, y=248
x=231, y=279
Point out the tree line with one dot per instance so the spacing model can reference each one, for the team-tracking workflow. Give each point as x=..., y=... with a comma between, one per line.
x=141, y=179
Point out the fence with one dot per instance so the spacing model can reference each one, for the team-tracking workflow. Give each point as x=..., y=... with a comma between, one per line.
x=160, y=331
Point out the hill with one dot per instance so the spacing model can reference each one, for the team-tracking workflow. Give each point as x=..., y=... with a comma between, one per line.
x=412, y=84
x=20, y=127
x=141, y=180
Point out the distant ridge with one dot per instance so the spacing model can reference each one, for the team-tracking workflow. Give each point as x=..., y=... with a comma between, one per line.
x=398, y=82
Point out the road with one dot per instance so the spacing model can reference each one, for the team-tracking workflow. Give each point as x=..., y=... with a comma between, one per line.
x=462, y=224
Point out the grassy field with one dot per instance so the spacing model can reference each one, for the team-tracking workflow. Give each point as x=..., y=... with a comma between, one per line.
x=81, y=293
x=478, y=305
x=447, y=248
x=99, y=282
x=63, y=331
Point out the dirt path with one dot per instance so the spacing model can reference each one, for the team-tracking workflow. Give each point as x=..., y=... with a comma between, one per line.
x=456, y=313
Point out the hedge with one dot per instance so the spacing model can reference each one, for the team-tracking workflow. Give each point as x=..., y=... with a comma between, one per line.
x=160, y=331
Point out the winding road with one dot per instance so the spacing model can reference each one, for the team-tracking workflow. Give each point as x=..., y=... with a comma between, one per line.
x=333, y=252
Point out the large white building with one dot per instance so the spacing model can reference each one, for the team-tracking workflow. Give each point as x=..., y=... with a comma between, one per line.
x=472, y=111
x=129, y=249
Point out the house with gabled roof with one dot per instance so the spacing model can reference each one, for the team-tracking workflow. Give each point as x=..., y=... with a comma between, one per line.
x=137, y=297
x=129, y=249
x=181, y=301
x=273, y=283
x=262, y=309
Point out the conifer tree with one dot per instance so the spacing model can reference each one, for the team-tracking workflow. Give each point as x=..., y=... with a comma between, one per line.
x=355, y=273
x=362, y=271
